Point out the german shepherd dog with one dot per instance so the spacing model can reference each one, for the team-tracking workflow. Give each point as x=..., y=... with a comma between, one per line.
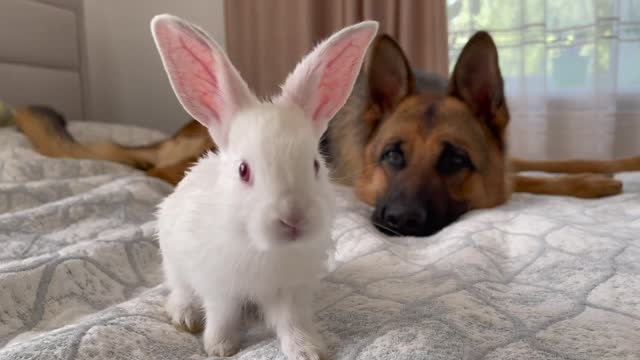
x=420, y=153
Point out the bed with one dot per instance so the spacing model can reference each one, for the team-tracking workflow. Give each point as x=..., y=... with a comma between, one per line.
x=540, y=277
x=537, y=278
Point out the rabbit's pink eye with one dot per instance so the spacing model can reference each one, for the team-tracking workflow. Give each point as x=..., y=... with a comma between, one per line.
x=316, y=166
x=244, y=172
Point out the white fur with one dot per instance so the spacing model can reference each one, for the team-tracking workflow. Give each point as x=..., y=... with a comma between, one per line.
x=221, y=239
x=320, y=85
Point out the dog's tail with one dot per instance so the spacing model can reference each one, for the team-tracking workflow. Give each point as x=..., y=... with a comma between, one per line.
x=46, y=129
x=6, y=114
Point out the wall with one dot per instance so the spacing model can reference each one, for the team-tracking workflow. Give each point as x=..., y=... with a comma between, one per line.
x=127, y=83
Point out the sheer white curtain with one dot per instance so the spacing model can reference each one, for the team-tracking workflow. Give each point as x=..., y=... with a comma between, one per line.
x=571, y=69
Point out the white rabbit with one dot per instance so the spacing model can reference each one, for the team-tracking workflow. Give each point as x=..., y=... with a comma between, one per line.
x=252, y=222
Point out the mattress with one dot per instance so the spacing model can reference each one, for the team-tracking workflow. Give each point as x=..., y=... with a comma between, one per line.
x=537, y=278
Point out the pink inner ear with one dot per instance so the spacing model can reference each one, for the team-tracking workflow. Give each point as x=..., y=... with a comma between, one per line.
x=341, y=66
x=191, y=64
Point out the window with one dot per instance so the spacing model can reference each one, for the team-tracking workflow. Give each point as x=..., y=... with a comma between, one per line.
x=561, y=48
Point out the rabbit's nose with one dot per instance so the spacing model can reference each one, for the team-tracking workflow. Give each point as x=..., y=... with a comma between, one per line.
x=292, y=221
x=292, y=225
x=290, y=210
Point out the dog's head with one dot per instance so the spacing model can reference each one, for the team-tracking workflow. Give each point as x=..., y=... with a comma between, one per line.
x=432, y=156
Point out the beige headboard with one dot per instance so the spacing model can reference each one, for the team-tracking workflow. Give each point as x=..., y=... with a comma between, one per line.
x=41, y=55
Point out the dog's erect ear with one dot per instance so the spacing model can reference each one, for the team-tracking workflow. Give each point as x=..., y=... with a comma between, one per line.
x=389, y=73
x=477, y=80
x=204, y=80
x=324, y=79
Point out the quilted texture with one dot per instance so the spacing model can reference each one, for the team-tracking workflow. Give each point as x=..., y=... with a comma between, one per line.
x=537, y=278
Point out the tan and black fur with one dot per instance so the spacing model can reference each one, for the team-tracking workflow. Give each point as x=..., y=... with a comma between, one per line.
x=167, y=159
x=422, y=155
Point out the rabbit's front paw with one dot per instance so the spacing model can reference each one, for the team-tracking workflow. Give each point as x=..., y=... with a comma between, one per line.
x=304, y=353
x=184, y=311
x=303, y=347
x=215, y=346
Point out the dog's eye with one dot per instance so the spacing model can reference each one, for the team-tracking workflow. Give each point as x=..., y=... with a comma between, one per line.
x=453, y=159
x=393, y=156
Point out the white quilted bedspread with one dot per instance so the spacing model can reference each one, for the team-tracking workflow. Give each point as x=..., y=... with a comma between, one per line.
x=538, y=278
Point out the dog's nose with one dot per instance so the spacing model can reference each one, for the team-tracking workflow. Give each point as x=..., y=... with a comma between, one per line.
x=402, y=219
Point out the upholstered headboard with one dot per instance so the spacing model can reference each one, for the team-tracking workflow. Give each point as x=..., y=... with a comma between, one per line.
x=42, y=55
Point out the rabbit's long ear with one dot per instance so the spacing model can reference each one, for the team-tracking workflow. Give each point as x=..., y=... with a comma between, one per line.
x=324, y=79
x=204, y=80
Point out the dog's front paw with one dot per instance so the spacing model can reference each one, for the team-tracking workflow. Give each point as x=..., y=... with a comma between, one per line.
x=221, y=347
x=184, y=311
x=591, y=186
